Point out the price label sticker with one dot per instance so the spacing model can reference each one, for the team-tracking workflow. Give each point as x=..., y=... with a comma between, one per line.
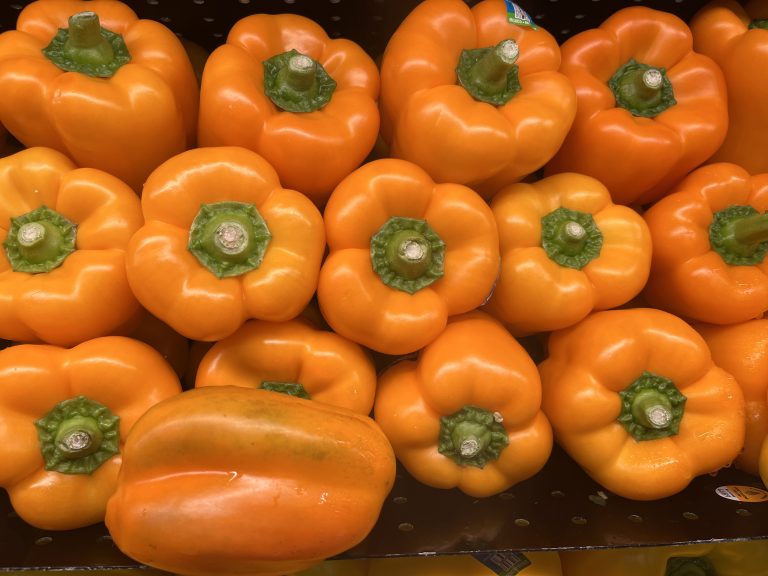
x=516, y=15
x=743, y=493
x=503, y=563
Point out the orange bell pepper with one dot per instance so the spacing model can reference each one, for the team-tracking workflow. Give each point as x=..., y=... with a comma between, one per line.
x=281, y=87
x=710, y=237
x=472, y=98
x=404, y=255
x=566, y=250
x=735, y=35
x=635, y=399
x=295, y=358
x=650, y=109
x=65, y=416
x=466, y=412
x=92, y=80
x=223, y=242
x=742, y=350
x=248, y=482
x=65, y=232
x=509, y=563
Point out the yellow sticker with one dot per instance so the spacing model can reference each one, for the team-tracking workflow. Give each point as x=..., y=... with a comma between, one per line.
x=743, y=493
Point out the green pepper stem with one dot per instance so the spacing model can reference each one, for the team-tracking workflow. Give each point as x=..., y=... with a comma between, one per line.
x=472, y=436
x=652, y=409
x=297, y=83
x=490, y=74
x=751, y=229
x=85, y=42
x=39, y=241
x=641, y=89
x=739, y=234
x=78, y=436
x=408, y=254
x=571, y=238
x=761, y=23
x=299, y=73
x=289, y=388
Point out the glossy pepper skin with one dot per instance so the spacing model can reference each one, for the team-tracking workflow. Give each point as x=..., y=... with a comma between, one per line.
x=709, y=243
x=125, y=124
x=636, y=400
x=734, y=35
x=292, y=357
x=523, y=564
x=223, y=242
x=431, y=119
x=312, y=144
x=566, y=250
x=742, y=350
x=405, y=254
x=311, y=476
x=747, y=558
x=466, y=412
x=48, y=393
x=65, y=232
x=639, y=157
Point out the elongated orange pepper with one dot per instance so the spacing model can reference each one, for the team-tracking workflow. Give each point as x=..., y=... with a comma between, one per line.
x=635, y=399
x=404, y=255
x=650, y=108
x=223, y=242
x=566, y=250
x=65, y=232
x=66, y=414
x=295, y=358
x=710, y=238
x=742, y=350
x=281, y=87
x=466, y=413
x=92, y=80
x=248, y=482
x=472, y=98
x=735, y=35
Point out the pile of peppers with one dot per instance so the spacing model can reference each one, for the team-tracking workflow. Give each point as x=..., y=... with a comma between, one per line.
x=242, y=287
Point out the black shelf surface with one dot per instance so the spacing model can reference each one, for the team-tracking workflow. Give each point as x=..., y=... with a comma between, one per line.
x=560, y=508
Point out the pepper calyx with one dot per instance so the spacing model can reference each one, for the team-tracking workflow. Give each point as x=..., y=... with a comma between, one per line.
x=739, y=234
x=297, y=83
x=641, y=89
x=651, y=407
x=490, y=74
x=571, y=238
x=289, y=388
x=472, y=436
x=39, y=241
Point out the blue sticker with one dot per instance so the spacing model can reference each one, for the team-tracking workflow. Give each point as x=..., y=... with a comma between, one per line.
x=517, y=15
x=503, y=563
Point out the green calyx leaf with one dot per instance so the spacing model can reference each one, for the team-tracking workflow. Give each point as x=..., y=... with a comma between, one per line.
x=759, y=23
x=39, y=241
x=739, y=234
x=472, y=436
x=689, y=566
x=407, y=254
x=78, y=435
x=87, y=48
x=571, y=238
x=490, y=74
x=297, y=83
x=290, y=388
x=229, y=238
x=641, y=89
x=651, y=407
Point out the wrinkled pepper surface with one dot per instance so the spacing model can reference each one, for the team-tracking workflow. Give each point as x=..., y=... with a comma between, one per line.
x=472, y=98
x=466, y=412
x=248, y=482
x=65, y=414
x=222, y=243
x=307, y=103
x=710, y=238
x=737, y=558
x=650, y=108
x=295, y=358
x=735, y=35
x=634, y=397
x=742, y=350
x=92, y=80
x=65, y=233
x=566, y=250
x=405, y=254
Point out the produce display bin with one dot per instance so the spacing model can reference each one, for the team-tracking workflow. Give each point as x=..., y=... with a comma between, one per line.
x=560, y=507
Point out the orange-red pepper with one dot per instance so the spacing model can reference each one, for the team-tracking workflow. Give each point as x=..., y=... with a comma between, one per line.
x=405, y=254
x=742, y=350
x=650, y=109
x=636, y=400
x=65, y=416
x=709, y=245
x=248, y=482
x=735, y=35
x=307, y=103
x=122, y=98
x=566, y=250
x=295, y=358
x=466, y=413
x=472, y=98
x=65, y=232
x=223, y=242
